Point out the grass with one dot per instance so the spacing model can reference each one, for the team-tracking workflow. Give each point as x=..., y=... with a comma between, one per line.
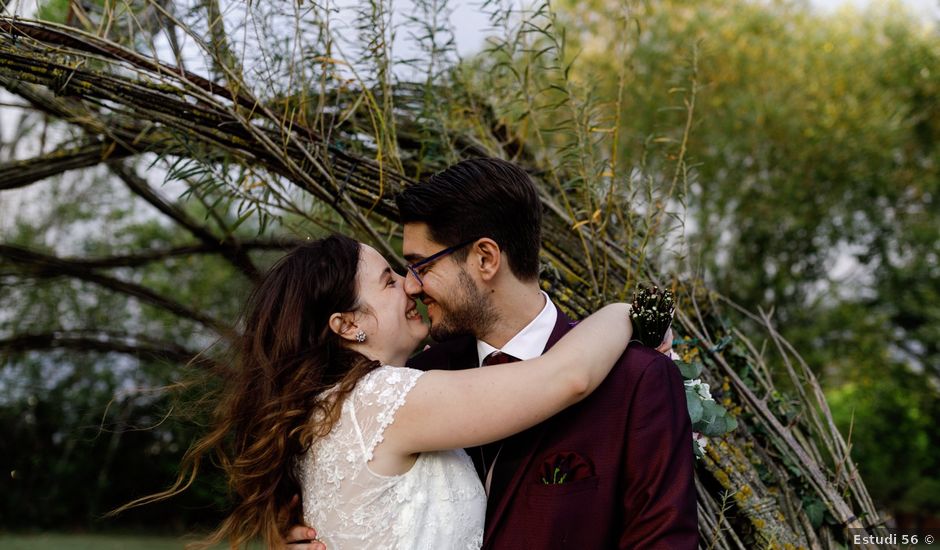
x=98, y=541
x=62, y=541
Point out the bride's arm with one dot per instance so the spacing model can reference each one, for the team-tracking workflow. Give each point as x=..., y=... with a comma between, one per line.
x=453, y=409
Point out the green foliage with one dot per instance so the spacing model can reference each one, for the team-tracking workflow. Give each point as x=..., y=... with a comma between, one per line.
x=814, y=189
x=815, y=511
x=892, y=416
x=79, y=442
x=715, y=420
x=689, y=370
x=814, y=133
x=87, y=430
x=709, y=417
x=54, y=11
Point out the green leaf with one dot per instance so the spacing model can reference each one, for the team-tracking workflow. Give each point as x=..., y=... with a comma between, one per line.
x=695, y=405
x=712, y=409
x=815, y=511
x=689, y=371
x=717, y=426
x=722, y=344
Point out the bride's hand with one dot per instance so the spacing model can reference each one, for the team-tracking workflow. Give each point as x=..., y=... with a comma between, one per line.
x=666, y=346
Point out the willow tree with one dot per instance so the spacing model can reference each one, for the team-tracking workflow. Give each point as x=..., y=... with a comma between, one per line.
x=247, y=126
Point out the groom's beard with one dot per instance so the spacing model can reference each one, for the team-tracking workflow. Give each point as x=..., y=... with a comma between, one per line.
x=471, y=312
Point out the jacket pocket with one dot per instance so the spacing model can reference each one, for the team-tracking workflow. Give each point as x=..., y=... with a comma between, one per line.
x=563, y=515
x=547, y=492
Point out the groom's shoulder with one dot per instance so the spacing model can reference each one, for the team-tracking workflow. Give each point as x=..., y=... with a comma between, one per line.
x=639, y=360
x=634, y=361
x=638, y=354
x=456, y=353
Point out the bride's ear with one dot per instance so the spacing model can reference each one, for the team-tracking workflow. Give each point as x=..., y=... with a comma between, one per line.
x=343, y=325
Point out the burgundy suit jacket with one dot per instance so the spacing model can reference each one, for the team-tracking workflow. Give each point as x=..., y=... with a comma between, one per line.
x=628, y=446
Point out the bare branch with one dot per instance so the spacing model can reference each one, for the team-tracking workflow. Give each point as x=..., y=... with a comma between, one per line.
x=44, y=266
x=101, y=341
x=21, y=173
x=150, y=256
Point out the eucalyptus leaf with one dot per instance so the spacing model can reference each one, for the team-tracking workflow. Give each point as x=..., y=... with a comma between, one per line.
x=715, y=426
x=695, y=405
x=689, y=371
x=712, y=409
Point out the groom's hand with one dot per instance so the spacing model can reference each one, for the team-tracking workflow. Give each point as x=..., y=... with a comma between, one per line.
x=301, y=537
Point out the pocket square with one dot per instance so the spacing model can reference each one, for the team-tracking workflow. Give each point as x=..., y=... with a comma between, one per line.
x=565, y=467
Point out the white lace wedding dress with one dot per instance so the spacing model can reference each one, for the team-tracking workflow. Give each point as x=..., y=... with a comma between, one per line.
x=438, y=504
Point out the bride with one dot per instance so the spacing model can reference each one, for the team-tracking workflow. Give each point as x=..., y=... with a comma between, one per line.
x=319, y=404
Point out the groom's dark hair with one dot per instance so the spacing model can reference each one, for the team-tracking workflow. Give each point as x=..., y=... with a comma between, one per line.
x=476, y=198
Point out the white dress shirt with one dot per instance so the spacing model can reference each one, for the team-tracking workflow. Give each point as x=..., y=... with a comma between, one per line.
x=529, y=342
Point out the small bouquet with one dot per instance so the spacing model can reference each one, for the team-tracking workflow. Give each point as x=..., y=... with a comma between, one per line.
x=652, y=316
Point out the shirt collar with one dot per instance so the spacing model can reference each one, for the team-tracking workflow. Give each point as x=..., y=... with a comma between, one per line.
x=529, y=342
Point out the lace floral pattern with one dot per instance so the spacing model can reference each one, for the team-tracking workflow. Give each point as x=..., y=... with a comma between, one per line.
x=438, y=504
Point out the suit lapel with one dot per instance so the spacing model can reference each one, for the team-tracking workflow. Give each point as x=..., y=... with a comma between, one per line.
x=467, y=358
x=517, y=452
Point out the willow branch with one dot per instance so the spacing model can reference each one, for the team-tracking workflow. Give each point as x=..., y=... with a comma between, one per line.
x=100, y=341
x=228, y=247
x=150, y=256
x=20, y=173
x=45, y=266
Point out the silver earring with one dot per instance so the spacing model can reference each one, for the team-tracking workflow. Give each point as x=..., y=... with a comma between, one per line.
x=360, y=336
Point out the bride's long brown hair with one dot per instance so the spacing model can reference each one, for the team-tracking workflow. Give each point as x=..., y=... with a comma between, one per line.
x=285, y=357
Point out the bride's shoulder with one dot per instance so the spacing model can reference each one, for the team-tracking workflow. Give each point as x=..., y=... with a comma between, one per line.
x=387, y=374
x=376, y=399
x=387, y=381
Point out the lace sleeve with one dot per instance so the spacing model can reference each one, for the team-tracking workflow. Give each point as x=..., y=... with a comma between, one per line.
x=376, y=399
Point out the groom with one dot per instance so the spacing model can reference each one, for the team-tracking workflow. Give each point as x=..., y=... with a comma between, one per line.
x=613, y=471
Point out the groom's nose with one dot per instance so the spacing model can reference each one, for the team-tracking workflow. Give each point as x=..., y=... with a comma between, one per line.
x=412, y=286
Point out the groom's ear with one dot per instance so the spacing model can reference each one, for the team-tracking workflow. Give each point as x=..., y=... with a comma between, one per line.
x=487, y=258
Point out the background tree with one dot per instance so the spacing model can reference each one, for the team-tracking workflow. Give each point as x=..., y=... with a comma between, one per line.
x=814, y=191
x=273, y=128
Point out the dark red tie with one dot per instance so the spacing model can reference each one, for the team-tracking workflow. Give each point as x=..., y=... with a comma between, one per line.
x=498, y=358
x=489, y=451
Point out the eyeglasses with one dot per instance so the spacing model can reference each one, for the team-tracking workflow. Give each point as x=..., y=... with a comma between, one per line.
x=413, y=268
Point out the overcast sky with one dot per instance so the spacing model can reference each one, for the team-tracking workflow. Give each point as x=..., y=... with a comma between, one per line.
x=470, y=23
